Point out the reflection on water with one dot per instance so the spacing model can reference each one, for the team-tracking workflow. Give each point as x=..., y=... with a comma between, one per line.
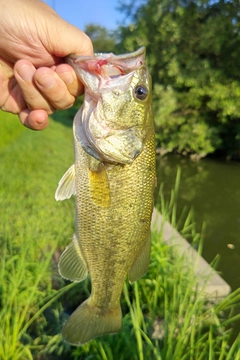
x=212, y=188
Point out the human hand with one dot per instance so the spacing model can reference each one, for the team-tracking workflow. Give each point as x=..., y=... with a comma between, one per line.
x=34, y=79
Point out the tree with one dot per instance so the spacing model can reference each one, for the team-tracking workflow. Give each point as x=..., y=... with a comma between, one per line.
x=193, y=47
x=102, y=39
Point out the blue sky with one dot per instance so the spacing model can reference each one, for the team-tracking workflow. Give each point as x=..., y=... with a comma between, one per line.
x=83, y=12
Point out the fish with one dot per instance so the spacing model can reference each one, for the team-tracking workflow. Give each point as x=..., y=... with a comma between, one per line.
x=113, y=179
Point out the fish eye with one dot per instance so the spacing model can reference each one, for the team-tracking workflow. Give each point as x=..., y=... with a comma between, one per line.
x=140, y=92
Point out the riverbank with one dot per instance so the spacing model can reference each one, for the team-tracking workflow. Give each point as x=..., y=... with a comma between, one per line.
x=209, y=189
x=164, y=317
x=208, y=280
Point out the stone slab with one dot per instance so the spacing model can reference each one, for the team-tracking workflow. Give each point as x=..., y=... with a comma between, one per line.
x=208, y=279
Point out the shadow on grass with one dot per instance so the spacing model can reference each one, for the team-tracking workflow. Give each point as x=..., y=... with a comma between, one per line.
x=65, y=117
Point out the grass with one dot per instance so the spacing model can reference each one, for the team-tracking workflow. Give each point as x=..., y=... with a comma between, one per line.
x=31, y=165
x=164, y=318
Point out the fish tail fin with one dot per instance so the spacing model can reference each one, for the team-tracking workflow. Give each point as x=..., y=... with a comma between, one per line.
x=88, y=322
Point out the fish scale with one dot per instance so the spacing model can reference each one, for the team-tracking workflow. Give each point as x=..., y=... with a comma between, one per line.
x=113, y=178
x=117, y=241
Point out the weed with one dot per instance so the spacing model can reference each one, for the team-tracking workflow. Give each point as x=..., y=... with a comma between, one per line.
x=165, y=317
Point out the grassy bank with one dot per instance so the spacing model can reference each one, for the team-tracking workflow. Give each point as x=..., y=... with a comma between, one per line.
x=163, y=317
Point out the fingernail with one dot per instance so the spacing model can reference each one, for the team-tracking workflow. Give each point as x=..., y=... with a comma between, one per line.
x=47, y=81
x=26, y=73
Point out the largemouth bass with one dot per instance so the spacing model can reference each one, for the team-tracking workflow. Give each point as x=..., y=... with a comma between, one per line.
x=113, y=178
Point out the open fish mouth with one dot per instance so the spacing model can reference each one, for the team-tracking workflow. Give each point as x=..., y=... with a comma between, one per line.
x=101, y=125
x=108, y=65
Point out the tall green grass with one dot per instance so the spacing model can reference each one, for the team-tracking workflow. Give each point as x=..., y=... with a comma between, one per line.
x=32, y=226
x=164, y=317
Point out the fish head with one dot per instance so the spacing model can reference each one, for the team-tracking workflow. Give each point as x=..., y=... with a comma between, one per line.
x=116, y=117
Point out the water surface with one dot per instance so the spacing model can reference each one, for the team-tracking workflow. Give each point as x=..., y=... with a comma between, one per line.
x=212, y=189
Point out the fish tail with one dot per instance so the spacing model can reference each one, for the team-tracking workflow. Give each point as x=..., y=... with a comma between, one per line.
x=88, y=322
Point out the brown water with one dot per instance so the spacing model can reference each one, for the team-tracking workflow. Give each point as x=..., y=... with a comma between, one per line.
x=212, y=189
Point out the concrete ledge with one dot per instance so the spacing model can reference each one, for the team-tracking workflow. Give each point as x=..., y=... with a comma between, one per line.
x=208, y=279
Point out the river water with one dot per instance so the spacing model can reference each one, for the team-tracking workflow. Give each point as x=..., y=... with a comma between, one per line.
x=212, y=189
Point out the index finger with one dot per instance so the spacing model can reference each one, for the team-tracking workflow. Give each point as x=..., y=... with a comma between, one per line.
x=68, y=75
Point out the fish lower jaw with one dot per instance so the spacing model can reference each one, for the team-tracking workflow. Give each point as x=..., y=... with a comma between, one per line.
x=109, y=159
x=115, y=155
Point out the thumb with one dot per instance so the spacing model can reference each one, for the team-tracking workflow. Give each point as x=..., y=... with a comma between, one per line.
x=67, y=39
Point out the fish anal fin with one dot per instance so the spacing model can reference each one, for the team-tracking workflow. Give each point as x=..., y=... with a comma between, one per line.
x=66, y=186
x=88, y=322
x=71, y=264
x=99, y=187
x=140, y=266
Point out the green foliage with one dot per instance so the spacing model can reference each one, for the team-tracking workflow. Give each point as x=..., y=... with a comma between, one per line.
x=193, y=50
x=103, y=40
x=164, y=317
x=31, y=229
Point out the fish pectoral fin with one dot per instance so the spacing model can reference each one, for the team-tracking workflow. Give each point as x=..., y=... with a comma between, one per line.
x=71, y=265
x=66, y=186
x=140, y=266
x=99, y=187
x=88, y=322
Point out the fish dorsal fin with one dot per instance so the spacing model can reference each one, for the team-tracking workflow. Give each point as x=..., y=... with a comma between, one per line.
x=71, y=265
x=66, y=186
x=99, y=186
x=140, y=266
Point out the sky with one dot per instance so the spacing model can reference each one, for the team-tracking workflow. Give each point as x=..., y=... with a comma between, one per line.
x=83, y=12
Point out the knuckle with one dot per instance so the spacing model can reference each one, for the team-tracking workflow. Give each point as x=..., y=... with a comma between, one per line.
x=64, y=102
